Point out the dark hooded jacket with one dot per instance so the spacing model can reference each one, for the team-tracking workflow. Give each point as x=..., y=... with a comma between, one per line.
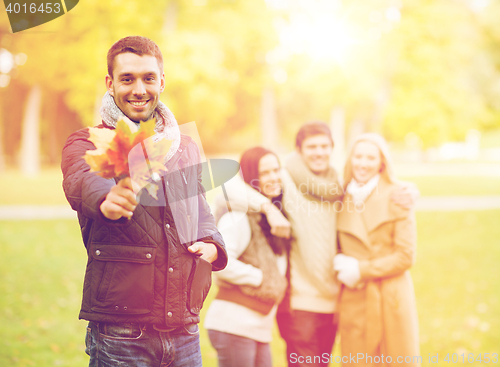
x=140, y=270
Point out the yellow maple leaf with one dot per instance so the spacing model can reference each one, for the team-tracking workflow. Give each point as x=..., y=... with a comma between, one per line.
x=101, y=137
x=128, y=152
x=146, y=163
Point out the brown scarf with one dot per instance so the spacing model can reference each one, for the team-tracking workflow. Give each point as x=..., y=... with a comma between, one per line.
x=325, y=186
x=259, y=254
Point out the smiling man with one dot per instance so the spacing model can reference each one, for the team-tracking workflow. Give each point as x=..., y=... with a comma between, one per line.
x=149, y=263
x=135, y=82
x=315, y=151
x=311, y=188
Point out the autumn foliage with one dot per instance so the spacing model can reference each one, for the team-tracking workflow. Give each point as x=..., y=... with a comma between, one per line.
x=128, y=152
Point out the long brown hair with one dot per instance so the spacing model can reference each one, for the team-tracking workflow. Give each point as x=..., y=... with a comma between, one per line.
x=249, y=164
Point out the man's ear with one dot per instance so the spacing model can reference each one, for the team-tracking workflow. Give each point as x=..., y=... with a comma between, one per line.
x=162, y=83
x=109, y=85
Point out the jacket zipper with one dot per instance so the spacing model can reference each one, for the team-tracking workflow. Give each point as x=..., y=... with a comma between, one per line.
x=183, y=176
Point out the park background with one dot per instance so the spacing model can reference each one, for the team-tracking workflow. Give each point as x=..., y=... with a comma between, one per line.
x=425, y=74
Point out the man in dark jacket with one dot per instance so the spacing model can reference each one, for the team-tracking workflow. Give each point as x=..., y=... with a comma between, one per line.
x=149, y=260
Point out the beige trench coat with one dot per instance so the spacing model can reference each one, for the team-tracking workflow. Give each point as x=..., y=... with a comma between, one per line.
x=379, y=316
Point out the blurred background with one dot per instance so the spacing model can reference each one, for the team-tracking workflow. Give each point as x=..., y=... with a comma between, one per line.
x=425, y=74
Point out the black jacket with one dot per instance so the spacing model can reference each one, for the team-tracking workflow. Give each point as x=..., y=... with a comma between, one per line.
x=140, y=270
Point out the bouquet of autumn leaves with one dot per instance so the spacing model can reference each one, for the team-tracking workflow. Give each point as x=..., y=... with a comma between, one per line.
x=129, y=152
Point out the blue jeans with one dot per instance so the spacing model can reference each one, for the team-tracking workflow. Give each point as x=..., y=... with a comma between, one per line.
x=238, y=351
x=307, y=334
x=134, y=345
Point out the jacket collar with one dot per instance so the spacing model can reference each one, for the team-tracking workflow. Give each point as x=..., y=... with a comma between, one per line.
x=378, y=209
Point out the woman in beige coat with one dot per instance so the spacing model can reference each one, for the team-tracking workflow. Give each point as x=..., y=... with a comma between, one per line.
x=378, y=316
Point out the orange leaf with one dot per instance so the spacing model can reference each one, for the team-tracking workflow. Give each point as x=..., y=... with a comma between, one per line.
x=123, y=151
x=118, y=152
x=99, y=163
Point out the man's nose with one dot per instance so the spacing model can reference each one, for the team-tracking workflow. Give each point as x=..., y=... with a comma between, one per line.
x=322, y=150
x=139, y=88
x=274, y=176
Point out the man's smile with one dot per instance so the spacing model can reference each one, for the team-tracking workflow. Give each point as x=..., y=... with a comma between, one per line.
x=138, y=103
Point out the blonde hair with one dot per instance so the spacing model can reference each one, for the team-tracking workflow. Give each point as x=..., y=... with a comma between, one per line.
x=386, y=169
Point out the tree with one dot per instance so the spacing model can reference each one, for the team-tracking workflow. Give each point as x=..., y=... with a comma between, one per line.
x=212, y=76
x=434, y=87
x=427, y=67
x=412, y=66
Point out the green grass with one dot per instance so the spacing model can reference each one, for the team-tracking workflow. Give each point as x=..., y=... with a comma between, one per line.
x=41, y=272
x=46, y=189
x=490, y=139
x=457, y=282
x=455, y=186
x=456, y=279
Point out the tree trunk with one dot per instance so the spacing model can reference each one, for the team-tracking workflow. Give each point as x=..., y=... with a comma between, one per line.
x=30, y=140
x=337, y=125
x=268, y=120
x=2, y=145
x=97, y=105
x=171, y=14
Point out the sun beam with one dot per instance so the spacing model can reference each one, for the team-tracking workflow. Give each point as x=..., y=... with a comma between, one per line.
x=321, y=35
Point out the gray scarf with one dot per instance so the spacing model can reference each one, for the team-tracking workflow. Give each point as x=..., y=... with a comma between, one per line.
x=166, y=124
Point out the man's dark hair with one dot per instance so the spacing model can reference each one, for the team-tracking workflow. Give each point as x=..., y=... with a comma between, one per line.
x=137, y=45
x=310, y=129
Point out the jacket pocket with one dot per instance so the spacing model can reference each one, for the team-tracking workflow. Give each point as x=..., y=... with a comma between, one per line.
x=122, y=279
x=200, y=280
